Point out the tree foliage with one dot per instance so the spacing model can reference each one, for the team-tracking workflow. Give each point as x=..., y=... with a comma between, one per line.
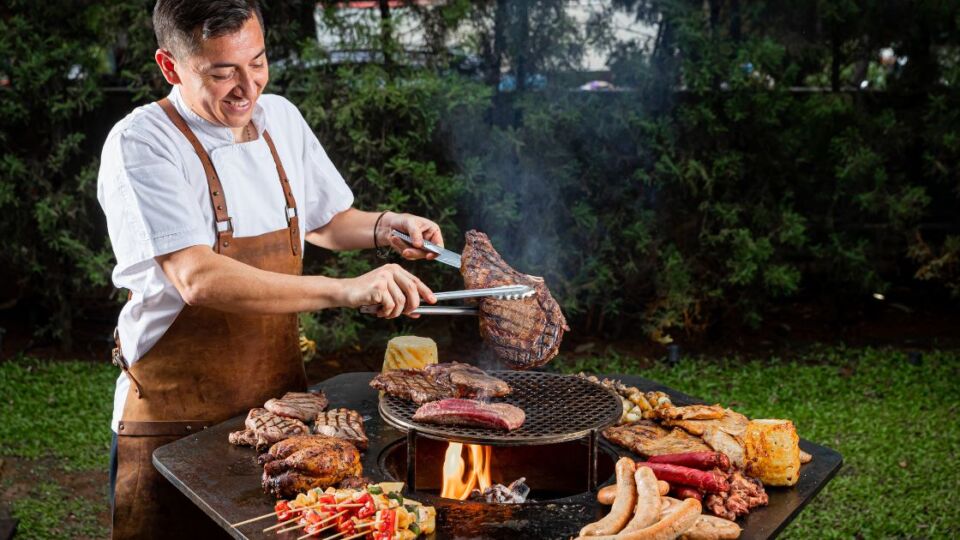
x=756, y=151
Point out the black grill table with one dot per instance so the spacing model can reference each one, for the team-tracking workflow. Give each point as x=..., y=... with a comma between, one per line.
x=224, y=480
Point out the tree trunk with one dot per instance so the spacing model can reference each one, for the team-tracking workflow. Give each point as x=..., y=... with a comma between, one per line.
x=386, y=35
x=523, y=44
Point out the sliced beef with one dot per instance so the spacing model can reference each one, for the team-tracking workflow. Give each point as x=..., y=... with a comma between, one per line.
x=303, y=406
x=469, y=412
x=413, y=384
x=524, y=333
x=468, y=381
x=343, y=424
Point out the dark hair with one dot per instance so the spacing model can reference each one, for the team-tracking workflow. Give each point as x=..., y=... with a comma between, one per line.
x=181, y=25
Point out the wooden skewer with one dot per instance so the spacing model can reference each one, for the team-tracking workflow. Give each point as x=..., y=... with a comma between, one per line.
x=302, y=508
x=322, y=521
x=258, y=518
x=338, y=535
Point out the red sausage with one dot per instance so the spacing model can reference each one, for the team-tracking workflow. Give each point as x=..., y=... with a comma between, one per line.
x=697, y=460
x=677, y=474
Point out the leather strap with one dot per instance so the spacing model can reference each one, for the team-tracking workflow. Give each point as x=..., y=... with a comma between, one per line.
x=133, y=428
x=116, y=356
x=223, y=225
x=293, y=222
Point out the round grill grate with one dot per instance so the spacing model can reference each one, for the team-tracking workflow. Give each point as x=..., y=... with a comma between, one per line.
x=558, y=408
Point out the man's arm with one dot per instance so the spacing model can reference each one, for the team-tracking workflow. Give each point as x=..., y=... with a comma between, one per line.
x=353, y=229
x=205, y=278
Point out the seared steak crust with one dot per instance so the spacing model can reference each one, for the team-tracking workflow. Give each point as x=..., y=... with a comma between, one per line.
x=470, y=412
x=300, y=405
x=524, y=333
x=468, y=381
x=343, y=424
x=440, y=381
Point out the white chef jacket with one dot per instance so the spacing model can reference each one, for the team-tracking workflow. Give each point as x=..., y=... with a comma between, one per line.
x=154, y=193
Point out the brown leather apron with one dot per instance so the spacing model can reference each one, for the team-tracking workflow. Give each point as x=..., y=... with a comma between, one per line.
x=208, y=367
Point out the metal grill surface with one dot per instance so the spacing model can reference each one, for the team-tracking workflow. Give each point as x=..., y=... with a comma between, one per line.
x=558, y=408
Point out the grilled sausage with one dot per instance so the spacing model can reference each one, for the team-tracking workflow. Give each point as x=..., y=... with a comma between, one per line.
x=696, y=460
x=676, y=474
x=712, y=528
x=668, y=528
x=647, y=511
x=607, y=494
x=623, y=505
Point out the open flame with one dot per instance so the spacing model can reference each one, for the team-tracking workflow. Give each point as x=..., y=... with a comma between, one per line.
x=460, y=476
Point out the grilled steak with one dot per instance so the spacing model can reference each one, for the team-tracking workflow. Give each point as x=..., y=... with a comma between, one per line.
x=468, y=381
x=469, y=412
x=342, y=424
x=270, y=428
x=412, y=384
x=318, y=463
x=244, y=437
x=300, y=405
x=524, y=333
x=646, y=438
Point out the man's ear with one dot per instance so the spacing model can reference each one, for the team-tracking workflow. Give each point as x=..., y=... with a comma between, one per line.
x=167, y=66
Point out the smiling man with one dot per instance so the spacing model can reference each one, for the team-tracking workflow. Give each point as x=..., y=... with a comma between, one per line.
x=209, y=195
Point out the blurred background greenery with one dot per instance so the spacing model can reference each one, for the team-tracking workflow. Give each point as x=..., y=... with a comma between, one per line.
x=675, y=169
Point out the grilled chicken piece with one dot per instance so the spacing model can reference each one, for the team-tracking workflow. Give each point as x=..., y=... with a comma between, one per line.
x=300, y=405
x=343, y=424
x=468, y=381
x=726, y=444
x=524, y=333
x=413, y=384
x=730, y=422
x=284, y=448
x=646, y=439
x=691, y=412
x=324, y=462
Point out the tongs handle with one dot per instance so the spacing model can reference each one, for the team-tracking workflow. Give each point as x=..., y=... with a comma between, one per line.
x=429, y=310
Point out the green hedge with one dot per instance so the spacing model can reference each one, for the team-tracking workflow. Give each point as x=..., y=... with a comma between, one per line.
x=708, y=193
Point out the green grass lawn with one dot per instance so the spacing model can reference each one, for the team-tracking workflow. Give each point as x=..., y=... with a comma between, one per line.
x=895, y=424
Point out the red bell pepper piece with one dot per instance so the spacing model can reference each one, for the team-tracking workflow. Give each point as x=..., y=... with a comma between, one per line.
x=369, y=507
x=282, y=508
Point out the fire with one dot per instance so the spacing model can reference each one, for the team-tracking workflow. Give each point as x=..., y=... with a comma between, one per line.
x=460, y=477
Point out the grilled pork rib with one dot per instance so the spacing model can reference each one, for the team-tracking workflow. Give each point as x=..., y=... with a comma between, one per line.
x=524, y=333
x=343, y=424
x=300, y=405
x=469, y=412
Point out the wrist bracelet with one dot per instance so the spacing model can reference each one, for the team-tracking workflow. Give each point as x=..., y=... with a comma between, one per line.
x=383, y=253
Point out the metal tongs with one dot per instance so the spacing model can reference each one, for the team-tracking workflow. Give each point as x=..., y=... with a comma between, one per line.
x=505, y=292
x=445, y=256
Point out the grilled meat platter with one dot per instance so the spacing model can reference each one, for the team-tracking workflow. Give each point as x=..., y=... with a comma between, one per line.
x=440, y=381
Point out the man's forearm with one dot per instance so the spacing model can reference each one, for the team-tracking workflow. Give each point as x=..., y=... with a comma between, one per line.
x=348, y=230
x=207, y=279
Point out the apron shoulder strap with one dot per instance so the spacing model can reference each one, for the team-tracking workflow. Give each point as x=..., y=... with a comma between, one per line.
x=291, y=209
x=224, y=225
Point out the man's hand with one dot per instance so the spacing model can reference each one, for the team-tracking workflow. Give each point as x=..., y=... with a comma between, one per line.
x=416, y=227
x=391, y=287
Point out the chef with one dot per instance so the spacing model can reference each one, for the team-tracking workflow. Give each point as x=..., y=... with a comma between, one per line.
x=209, y=195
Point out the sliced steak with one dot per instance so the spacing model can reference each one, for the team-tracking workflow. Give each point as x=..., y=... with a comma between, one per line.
x=468, y=381
x=413, y=384
x=343, y=424
x=646, y=439
x=271, y=428
x=469, y=412
x=300, y=405
x=524, y=333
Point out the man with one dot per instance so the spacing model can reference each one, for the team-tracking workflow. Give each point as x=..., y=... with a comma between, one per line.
x=209, y=195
